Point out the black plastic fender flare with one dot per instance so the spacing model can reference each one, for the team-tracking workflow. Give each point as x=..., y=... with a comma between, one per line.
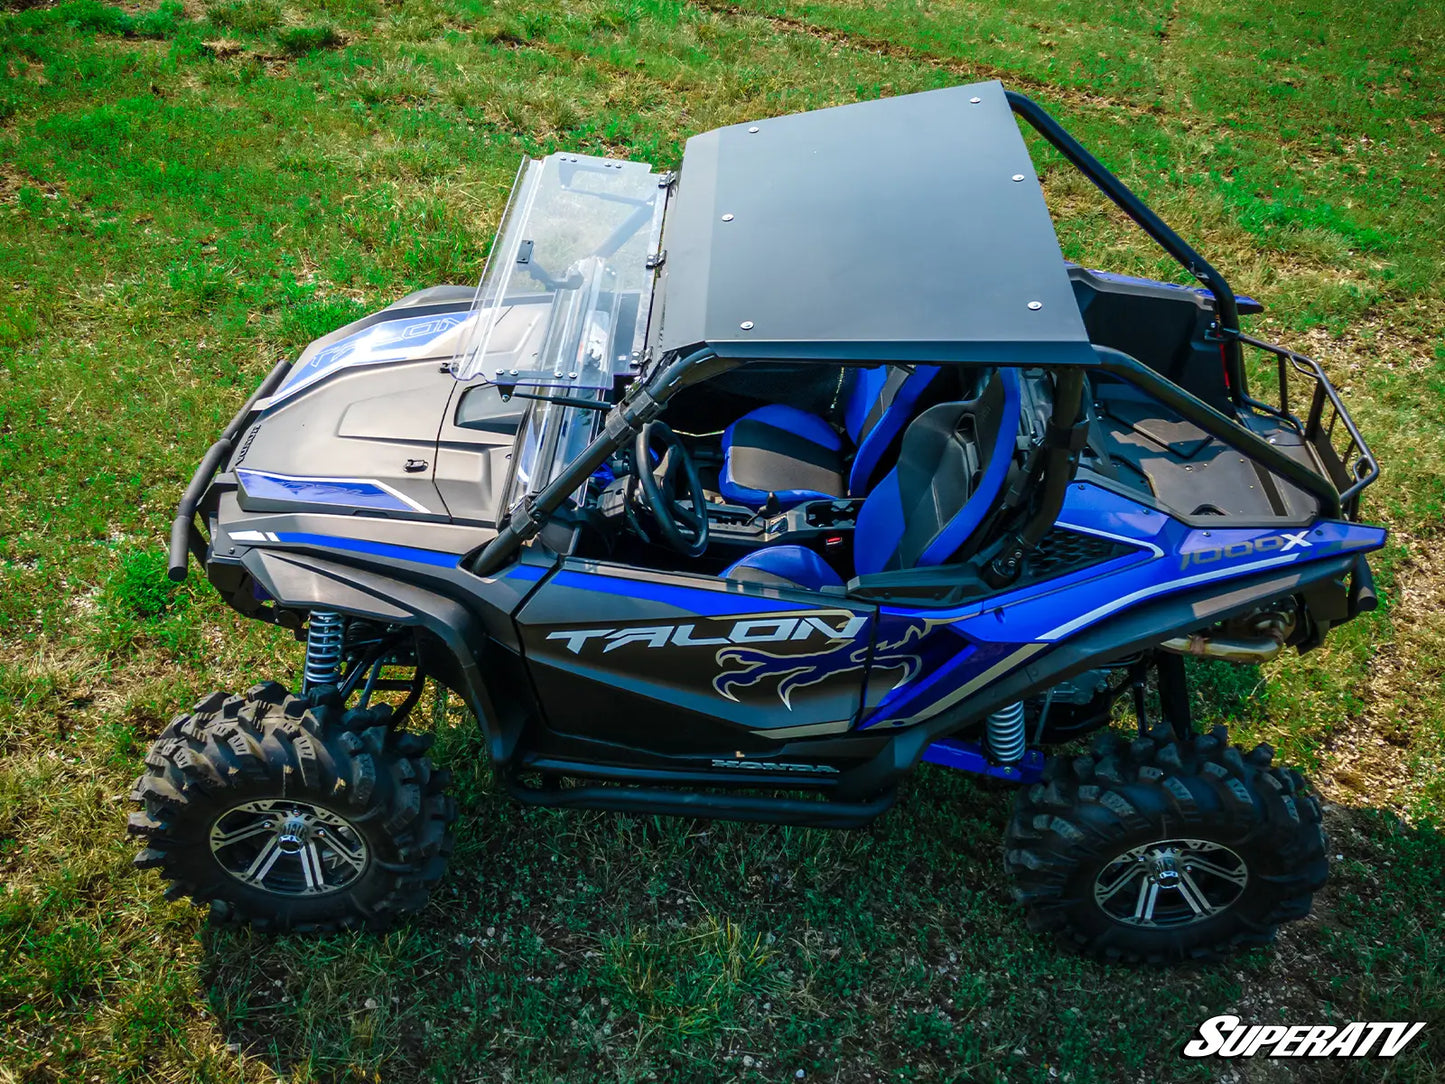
x=1133, y=630
x=304, y=582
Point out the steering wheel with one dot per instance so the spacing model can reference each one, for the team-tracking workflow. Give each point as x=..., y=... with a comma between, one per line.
x=681, y=517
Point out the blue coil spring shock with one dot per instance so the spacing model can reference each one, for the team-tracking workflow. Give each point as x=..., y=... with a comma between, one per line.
x=1006, y=739
x=325, y=638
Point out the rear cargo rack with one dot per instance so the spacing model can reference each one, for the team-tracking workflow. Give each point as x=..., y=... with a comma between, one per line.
x=1327, y=427
x=1348, y=464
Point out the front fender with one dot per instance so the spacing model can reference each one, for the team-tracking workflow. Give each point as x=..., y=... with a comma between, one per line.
x=300, y=581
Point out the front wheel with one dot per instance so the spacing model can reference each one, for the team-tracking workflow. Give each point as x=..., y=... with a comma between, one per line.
x=1162, y=850
x=284, y=815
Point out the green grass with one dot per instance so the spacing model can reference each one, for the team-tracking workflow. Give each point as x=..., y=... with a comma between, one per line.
x=188, y=192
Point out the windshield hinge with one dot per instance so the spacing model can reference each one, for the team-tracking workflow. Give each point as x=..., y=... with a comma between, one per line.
x=666, y=179
x=657, y=259
x=522, y=520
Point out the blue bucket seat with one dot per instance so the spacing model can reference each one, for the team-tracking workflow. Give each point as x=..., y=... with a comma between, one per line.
x=798, y=456
x=950, y=476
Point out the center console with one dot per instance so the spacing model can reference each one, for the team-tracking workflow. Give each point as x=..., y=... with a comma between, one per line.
x=825, y=525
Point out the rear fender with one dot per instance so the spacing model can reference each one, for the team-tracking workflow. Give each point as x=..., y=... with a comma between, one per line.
x=1038, y=666
x=1146, y=626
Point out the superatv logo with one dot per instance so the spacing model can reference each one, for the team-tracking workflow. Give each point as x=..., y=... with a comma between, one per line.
x=1228, y=1037
x=1270, y=543
x=757, y=630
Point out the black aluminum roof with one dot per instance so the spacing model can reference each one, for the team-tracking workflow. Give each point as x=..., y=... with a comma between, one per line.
x=909, y=228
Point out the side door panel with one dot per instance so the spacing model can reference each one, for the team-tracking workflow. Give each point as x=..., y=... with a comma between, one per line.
x=683, y=663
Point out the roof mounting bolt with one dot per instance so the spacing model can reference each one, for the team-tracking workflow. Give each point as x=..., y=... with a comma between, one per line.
x=753, y=130
x=1035, y=306
x=727, y=217
x=974, y=101
x=1018, y=177
x=571, y=376
x=746, y=325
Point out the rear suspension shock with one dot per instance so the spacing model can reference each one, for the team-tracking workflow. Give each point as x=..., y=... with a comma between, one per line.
x=325, y=638
x=1006, y=739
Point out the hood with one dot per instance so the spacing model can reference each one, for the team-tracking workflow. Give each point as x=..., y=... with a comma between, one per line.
x=365, y=424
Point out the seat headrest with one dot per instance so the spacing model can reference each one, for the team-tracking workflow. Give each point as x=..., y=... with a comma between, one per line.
x=951, y=471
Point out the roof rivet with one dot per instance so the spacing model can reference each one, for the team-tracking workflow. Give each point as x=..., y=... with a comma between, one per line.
x=975, y=101
x=1036, y=305
x=746, y=325
x=727, y=218
x=753, y=130
x=1018, y=176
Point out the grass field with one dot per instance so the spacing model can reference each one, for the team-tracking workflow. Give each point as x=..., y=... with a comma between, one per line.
x=190, y=191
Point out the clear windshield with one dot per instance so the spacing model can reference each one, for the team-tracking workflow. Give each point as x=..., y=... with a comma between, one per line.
x=565, y=295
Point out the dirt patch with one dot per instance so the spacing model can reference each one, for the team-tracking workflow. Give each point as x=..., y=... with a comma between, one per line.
x=220, y=48
x=970, y=69
x=1166, y=31
x=1368, y=759
x=1392, y=340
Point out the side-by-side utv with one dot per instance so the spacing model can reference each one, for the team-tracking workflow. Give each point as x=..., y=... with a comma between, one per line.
x=740, y=491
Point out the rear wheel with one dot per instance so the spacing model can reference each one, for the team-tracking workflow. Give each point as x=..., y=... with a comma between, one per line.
x=1162, y=850
x=289, y=816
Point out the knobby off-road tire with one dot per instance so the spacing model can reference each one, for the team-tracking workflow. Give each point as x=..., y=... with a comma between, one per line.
x=282, y=815
x=1246, y=834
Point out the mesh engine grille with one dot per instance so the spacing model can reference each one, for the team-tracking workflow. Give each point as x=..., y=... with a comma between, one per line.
x=1063, y=551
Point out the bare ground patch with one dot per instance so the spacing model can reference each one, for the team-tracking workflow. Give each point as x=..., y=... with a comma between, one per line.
x=967, y=69
x=1368, y=760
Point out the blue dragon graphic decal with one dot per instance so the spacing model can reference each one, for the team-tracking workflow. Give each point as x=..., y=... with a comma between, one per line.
x=743, y=667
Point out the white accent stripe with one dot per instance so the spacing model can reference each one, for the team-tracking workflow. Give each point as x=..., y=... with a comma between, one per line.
x=1111, y=537
x=1159, y=589
x=248, y=536
x=1008, y=662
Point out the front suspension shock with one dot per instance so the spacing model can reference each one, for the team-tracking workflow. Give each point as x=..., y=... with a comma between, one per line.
x=325, y=638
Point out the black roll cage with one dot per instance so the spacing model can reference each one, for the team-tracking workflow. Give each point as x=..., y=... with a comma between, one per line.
x=1351, y=469
x=1225, y=307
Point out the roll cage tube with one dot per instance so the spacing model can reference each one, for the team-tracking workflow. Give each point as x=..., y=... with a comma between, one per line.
x=1063, y=439
x=187, y=541
x=642, y=403
x=1225, y=309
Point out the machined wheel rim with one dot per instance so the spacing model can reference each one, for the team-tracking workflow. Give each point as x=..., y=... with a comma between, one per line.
x=288, y=847
x=1171, y=883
